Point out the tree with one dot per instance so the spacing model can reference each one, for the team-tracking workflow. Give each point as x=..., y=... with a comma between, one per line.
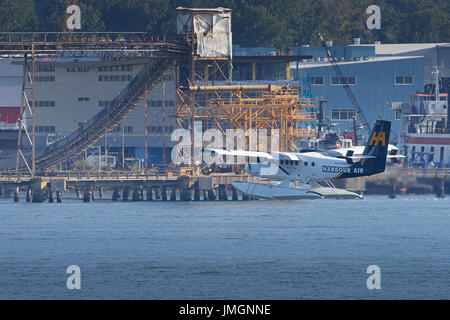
x=17, y=16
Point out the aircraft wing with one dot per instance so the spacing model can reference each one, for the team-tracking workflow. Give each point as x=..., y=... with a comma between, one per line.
x=255, y=154
x=358, y=157
x=395, y=156
x=241, y=153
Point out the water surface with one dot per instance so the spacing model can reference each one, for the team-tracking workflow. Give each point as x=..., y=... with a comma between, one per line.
x=299, y=249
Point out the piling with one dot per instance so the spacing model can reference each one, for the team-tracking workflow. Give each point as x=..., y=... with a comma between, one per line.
x=205, y=195
x=59, y=196
x=38, y=197
x=223, y=193
x=392, y=188
x=100, y=192
x=38, y=191
x=185, y=194
x=439, y=187
x=125, y=194
x=77, y=191
x=245, y=197
x=16, y=194
x=196, y=192
x=163, y=194
x=173, y=194
x=149, y=194
x=88, y=196
x=136, y=195
x=116, y=194
x=157, y=194
x=29, y=195
x=211, y=195
x=234, y=194
x=50, y=197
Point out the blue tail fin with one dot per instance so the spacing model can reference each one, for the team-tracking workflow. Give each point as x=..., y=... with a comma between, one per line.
x=377, y=146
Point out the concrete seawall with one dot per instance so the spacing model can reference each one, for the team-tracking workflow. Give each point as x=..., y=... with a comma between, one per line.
x=395, y=181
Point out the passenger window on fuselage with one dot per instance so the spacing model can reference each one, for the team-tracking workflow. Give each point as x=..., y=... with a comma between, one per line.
x=313, y=164
x=292, y=163
x=281, y=162
x=296, y=163
x=306, y=163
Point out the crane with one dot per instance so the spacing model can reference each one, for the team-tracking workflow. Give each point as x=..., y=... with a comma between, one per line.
x=349, y=92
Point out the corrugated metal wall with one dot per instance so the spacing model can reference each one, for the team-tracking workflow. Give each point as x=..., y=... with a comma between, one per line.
x=375, y=87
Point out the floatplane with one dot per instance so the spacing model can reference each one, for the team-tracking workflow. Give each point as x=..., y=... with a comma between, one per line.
x=301, y=173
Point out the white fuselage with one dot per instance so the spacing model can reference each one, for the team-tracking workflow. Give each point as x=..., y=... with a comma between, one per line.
x=310, y=166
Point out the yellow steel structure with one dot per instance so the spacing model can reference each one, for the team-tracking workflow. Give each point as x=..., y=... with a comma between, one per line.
x=249, y=107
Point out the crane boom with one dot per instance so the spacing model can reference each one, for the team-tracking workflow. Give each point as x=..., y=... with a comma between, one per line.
x=349, y=92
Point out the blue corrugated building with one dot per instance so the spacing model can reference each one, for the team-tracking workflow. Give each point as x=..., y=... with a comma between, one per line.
x=374, y=82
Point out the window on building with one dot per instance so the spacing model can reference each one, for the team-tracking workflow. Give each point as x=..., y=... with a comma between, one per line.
x=45, y=68
x=115, y=78
x=350, y=80
x=77, y=69
x=122, y=68
x=342, y=114
x=83, y=99
x=126, y=129
x=45, y=103
x=404, y=80
x=45, y=129
x=316, y=81
x=44, y=79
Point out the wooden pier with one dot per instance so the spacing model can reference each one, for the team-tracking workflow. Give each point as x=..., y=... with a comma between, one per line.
x=122, y=186
x=151, y=186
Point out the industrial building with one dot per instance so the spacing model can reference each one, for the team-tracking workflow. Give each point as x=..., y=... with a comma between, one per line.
x=70, y=91
x=377, y=74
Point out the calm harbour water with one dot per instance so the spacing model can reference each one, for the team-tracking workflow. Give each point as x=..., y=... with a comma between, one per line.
x=227, y=250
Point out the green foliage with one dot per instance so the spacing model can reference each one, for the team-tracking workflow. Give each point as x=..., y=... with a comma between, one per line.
x=17, y=15
x=271, y=23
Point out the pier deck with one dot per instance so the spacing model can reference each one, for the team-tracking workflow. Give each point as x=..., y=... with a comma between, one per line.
x=140, y=185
